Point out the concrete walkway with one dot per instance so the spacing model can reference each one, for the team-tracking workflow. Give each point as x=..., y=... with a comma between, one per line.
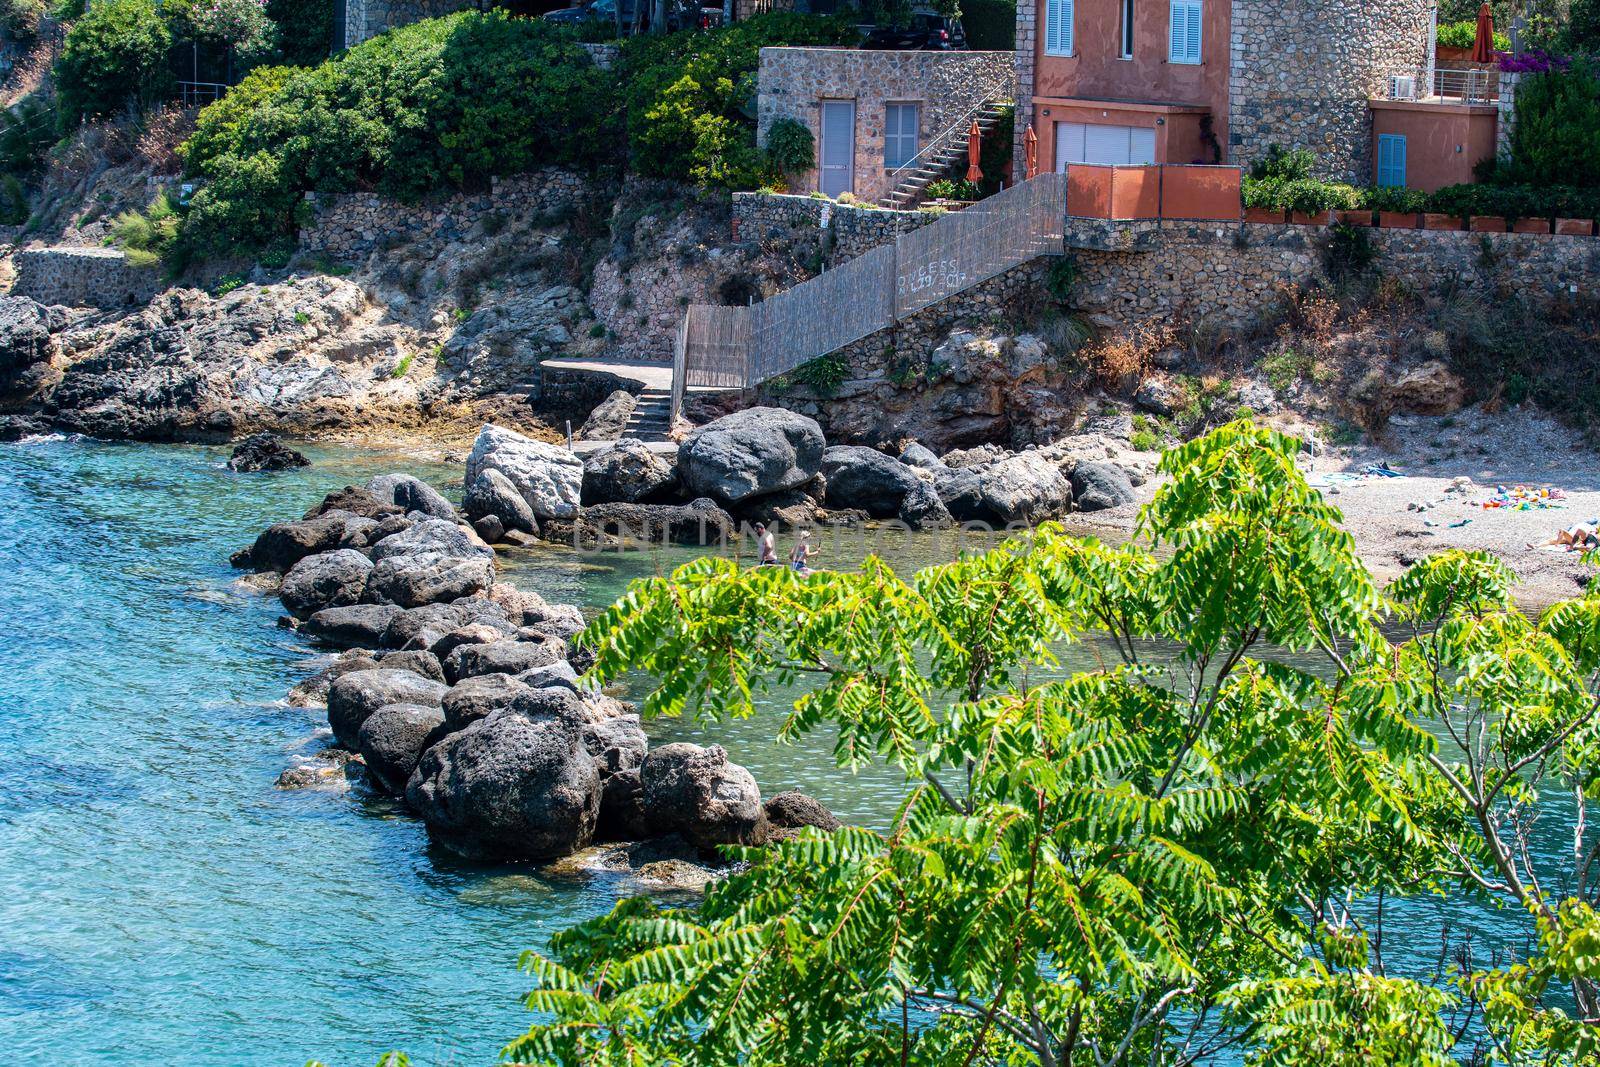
x=652, y=376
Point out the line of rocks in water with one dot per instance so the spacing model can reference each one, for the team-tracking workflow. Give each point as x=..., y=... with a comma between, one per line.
x=459, y=694
x=773, y=466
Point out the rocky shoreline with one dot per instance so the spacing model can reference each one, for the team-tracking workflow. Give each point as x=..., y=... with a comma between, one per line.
x=459, y=695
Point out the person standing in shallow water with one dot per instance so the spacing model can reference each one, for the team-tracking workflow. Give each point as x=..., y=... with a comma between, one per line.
x=766, y=548
x=800, y=558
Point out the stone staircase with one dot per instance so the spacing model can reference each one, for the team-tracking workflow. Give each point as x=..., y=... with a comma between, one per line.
x=652, y=416
x=941, y=158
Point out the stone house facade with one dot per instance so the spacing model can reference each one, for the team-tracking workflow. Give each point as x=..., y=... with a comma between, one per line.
x=871, y=111
x=1213, y=81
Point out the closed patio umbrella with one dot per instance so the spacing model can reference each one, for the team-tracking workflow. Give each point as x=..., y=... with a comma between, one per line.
x=974, y=146
x=1030, y=151
x=1483, y=46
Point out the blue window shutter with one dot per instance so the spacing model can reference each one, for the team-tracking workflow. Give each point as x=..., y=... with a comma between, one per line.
x=1183, y=43
x=1193, y=43
x=1058, y=27
x=1391, y=159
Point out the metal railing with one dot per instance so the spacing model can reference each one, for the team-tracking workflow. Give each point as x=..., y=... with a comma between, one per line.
x=740, y=347
x=199, y=94
x=1468, y=86
x=942, y=140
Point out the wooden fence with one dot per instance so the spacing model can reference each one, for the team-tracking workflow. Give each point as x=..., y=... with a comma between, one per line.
x=740, y=347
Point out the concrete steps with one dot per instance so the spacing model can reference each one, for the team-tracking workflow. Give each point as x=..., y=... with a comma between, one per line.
x=940, y=162
x=652, y=416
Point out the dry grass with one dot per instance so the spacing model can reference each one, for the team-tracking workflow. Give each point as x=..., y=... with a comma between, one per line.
x=1119, y=359
x=164, y=130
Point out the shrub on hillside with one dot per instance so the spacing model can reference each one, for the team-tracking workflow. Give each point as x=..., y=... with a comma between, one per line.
x=1555, y=139
x=19, y=19
x=305, y=30
x=991, y=25
x=690, y=97
x=444, y=103
x=116, y=54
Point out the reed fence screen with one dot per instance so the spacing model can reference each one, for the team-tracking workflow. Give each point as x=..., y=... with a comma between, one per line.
x=739, y=347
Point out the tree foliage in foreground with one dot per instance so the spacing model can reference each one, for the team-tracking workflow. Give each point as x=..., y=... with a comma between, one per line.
x=1182, y=854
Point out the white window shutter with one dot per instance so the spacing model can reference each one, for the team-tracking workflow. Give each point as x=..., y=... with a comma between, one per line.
x=1192, y=52
x=1184, y=40
x=1175, y=45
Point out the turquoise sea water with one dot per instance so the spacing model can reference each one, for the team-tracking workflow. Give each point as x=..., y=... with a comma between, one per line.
x=160, y=901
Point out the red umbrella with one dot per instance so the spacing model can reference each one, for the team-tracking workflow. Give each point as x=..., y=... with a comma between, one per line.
x=974, y=146
x=1030, y=151
x=1483, y=46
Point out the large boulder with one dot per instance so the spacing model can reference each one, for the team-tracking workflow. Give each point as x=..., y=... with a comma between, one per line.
x=750, y=453
x=393, y=739
x=610, y=416
x=617, y=744
x=415, y=660
x=1098, y=485
x=264, y=452
x=501, y=657
x=510, y=786
x=283, y=544
x=916, y=455
x=474, y=698
x=627, y=473
x=865, y=478
x=492, y=493
x=432, y=562
x=328, y=580
x=428, y=626
x=1430, y=389
x=411, y=494
x=961, y=491
x=1026, y=488
x=696, y=792
x=922, y=509
x=548, y=477
x=356, y=501
x=24, y=337
x=355, y=626
x=353, y=697
x=794, y=810
x=411, y=581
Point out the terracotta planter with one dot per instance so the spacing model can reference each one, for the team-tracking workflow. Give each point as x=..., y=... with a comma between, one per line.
x=1397, y=220
x=1575, y=227
x=1488, y=224
x=1531, y=226
x=1355, y=218
x=1301, y=218
x=1265, y=215
x=1431, y=221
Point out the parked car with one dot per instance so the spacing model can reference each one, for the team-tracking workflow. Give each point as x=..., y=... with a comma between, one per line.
x=680, y=15
x=927, y=31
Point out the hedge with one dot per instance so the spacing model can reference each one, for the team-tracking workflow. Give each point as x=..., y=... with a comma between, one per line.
x=439, y=104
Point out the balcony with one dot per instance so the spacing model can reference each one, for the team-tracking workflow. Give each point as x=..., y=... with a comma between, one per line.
x=1474, y=86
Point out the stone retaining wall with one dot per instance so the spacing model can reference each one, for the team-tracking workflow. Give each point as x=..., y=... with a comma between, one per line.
x=1229, y=271
x=351, y=226
x=852, y=230
x=83, y=277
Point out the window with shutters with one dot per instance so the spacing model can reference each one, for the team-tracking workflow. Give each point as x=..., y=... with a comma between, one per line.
x=1058, y=27
x=1391, y=159
x=899, y=135
x=1126, y=45
x=1185, y=43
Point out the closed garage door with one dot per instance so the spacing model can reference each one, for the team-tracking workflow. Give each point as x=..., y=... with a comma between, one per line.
x=1079, y=142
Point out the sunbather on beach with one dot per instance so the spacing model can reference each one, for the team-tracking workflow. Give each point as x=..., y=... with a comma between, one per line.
x=1576, y=538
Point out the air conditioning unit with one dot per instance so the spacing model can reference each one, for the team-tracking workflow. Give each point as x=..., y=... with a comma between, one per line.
x=1403, y=87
